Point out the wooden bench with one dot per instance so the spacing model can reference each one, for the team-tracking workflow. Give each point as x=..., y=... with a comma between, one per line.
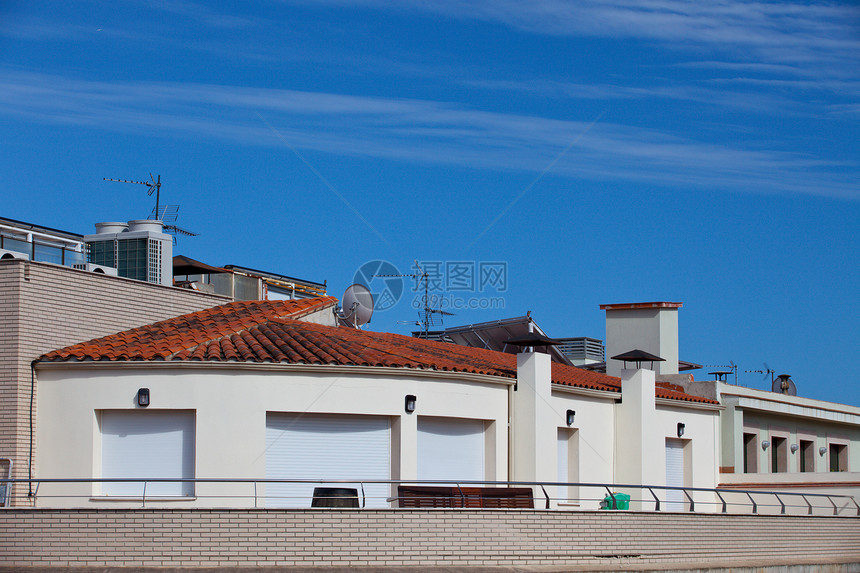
x=474, y=497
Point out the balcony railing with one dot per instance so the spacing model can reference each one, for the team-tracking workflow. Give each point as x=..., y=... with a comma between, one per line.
x=400, y=494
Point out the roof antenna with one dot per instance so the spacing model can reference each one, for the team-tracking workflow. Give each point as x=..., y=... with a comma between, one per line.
x=163, y=213
x=766, y=370
x=428, y=319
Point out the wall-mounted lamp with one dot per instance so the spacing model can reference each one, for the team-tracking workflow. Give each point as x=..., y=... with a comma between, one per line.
x=143, y=397
x=410, y=403
x=569, y=417
x=765, y=444
x=681, y=428
x=822, y=450
x=794, y=448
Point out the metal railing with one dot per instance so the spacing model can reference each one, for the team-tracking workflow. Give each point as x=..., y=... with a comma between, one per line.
x=26, y=493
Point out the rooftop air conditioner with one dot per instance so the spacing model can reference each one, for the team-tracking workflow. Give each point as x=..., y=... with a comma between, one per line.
x=94, y=268
x=6, y=254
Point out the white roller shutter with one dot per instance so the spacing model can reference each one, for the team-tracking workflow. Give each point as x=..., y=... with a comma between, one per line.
x=563, y=462
x=325, y=447
x=450, y=449
x=147, y=444
x=675, y=475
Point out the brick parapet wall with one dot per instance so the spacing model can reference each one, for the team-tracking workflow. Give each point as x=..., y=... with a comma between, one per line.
x=450, y=538
x=44, y=307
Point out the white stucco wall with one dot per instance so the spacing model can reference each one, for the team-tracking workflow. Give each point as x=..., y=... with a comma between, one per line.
x=594, y=431
x=324, y=316
x=230, y=407
x=701, y=447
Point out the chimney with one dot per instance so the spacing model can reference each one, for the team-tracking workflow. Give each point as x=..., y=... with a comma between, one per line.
x=533, y=419
x=648, y=326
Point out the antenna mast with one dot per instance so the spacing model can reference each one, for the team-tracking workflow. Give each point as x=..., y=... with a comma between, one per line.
x=167, y=213
x=154, y=185
x=766, y=370
x=427, y=320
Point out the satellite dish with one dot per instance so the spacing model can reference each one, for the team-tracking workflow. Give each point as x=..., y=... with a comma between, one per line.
x=784, y=385
x=357, y=305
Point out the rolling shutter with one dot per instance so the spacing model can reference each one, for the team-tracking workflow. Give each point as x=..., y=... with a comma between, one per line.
x=563, y=462
x=450, y=449
x=675, y=475
x=147, y=444
x=326, y=447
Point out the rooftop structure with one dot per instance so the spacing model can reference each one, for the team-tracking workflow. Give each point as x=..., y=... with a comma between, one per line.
x=139, y=250
x=242, y=283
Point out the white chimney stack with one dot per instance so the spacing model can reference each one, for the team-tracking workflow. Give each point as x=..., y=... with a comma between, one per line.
x=648, y=326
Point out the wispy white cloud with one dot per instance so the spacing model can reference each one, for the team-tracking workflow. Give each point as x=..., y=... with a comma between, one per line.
x=777, y=33
x=202, y=12
x=766, y=102
x=419, y=131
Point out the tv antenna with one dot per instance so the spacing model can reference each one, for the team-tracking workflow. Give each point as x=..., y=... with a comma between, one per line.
x=766, y=370
x=163, y=213
x=427, y=317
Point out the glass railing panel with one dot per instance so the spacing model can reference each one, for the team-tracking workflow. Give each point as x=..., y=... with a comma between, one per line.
x=17, y=245
x=47, y=254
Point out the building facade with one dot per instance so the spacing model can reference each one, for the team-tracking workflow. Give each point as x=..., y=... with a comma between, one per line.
x=276, y=390
x=776, y=441
x=45, y=306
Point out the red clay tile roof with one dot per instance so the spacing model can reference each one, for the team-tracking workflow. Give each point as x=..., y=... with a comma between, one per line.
x=162, y=340
x=268, y=331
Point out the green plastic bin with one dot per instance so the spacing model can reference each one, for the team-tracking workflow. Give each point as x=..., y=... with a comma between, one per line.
x=622, y=501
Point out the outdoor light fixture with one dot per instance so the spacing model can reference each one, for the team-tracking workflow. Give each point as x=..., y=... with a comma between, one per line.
x=822, y=450
x=681, y=428
x=765, y=444
x=569, y=417
x=410, y=403
x=143, y=397
x=794, y=448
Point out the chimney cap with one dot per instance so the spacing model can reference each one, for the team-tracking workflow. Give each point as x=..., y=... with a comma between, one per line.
x=638, y=305
x=638, y=356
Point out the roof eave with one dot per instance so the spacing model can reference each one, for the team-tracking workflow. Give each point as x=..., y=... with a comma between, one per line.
x=276, y=366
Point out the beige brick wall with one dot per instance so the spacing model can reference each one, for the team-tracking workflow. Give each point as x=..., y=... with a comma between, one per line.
x=44, y=307
x=453, y=538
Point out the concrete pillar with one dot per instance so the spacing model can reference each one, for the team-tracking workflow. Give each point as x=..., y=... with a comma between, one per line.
x=405, y=434
x=640, y=448
x=534, y=422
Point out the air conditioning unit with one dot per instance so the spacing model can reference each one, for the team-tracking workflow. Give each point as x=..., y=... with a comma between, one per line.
x=94, y=268
x=6, y=254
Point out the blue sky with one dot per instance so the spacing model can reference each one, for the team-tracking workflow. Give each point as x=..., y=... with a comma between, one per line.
x=605, y=152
